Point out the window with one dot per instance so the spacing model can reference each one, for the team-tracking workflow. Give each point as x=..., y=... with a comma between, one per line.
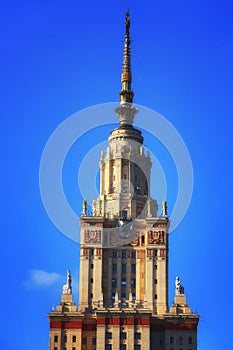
x=114, y=255
x=133, y=268
x=137, y=347
x=92, y=266
x=123, y=347
x=93, y=341
x=108, y=335
x=123, y=296
x=137, y=336
x=156, y=296
x=92, y=251
x=124, y=214
x=155, y=281
x=123, y=268
x=156, y=267
x=108, y=346
x=181, y=341
x=155, y=252
x=114, y=268
x=84, y=341
x=133, y=255
x=55, y=348
x=74, y=338
x=171, y=340
x=123, y=282
x=91, y=295
x=113, y=296
x=190, y=340
x=123, y=335
x=114, y=282
x=133, y=296
x=65, y=338
x=73, y=348
x=55, y=338
x=124, y=254
x=133, y=282
x=124, y=176
x=91, y=280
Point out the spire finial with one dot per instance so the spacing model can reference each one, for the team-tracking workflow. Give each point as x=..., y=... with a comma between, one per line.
x=126, y=94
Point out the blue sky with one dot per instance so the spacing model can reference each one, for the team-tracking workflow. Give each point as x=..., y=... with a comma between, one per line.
x=60, y=57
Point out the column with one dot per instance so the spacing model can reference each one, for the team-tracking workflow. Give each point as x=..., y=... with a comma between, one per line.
x=138, y=277
x=149, y=282
x=84, y=280
x=97, y=277
x=109, y=278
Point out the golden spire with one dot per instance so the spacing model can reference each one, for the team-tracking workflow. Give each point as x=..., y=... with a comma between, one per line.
x=126, y=95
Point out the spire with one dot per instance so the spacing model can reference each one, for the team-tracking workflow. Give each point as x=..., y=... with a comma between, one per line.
x=126, y=94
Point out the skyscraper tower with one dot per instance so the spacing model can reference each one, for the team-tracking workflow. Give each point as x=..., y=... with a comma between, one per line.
x=123, y=292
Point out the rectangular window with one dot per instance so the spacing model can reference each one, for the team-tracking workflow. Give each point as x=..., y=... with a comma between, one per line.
x=137, y=347
x=84, y=341
x=133, y=255
x=190, y=340
x=123, y=347
x=133, y=282
x=55, y=348
x=156, y=281
x=114, y=268
x=113, y=296
x=114, y=282
x=73, y=348
x=181, y=340
x=123, y=268
x=91, y=280
x=93, y=341
x=124, y=254
x=156, y=296
x=137, y=336
x=123, y=296
x=55, y=338
x=124, y=214
x=65, y=339
x=92, y=266
x=133, y=296
x=74, y=338
x=155, y=252
x=123, y=282
x=133, y=268
x=171, y=340
x=123, y=335
x=108, y=335
x=114, y=255
x=108, y=346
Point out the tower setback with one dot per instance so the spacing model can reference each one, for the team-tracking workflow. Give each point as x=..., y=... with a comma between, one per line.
x=123, y=291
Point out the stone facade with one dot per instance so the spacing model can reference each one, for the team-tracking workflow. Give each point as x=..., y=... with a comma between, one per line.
x=123, y=291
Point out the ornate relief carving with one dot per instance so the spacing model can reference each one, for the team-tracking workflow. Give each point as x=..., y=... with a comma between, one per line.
x=156, y=237
x=92, y=236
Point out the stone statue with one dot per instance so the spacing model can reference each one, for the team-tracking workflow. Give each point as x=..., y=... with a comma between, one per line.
x=67, y=288
x=164, y=208
x=84, y=207
x=179, y=287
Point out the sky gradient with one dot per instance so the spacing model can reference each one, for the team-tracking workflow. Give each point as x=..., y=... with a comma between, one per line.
x=60, y=57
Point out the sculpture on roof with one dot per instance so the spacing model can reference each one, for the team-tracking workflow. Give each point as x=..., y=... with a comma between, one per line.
x=67, y=288
x=179, y=287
